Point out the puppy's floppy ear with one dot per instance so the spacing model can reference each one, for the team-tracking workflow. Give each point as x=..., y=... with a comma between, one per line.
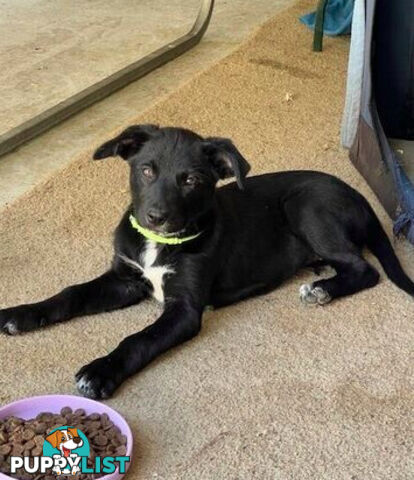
x=73, y=431
x=126, y=143
x=53, y=438
x=226, y=160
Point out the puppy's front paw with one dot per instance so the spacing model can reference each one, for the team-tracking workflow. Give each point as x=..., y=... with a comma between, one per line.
x=99, y=379
x=313, y=295
x=21, y=319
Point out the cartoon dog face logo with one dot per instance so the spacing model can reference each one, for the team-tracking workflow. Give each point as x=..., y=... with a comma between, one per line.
x=65, y=440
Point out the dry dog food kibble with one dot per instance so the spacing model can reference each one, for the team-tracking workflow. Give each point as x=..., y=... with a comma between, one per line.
x=20, y=437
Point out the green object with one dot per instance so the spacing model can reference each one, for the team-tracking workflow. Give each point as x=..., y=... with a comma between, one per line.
x=155, y=237
x=318, y=33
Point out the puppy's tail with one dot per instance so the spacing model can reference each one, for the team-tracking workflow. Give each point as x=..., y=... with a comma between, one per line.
x=380, y=245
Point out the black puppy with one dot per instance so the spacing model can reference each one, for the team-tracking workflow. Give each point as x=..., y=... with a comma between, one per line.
x=190, y=245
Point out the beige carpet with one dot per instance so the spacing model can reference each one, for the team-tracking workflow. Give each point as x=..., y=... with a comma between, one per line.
x=270, y=389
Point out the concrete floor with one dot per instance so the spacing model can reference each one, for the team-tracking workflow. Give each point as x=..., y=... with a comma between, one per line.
x=55, y=52
x=49, y=51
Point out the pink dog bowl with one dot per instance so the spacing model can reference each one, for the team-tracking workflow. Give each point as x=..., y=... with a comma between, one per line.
x=32, y=406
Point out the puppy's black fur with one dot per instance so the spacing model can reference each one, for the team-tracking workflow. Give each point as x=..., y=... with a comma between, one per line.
x=254, y=234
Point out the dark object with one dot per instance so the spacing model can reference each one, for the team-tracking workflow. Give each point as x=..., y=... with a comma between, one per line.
x=63, y=110
x=393, y=67
x=383, y=149
x=318, y=33
x=252, y=235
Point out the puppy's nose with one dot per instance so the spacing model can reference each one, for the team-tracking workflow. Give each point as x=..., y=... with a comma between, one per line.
x=77, y=439
x=156, y=217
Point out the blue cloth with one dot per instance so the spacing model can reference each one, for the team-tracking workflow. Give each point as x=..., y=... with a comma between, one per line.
x=338, y=17
x=405, y=220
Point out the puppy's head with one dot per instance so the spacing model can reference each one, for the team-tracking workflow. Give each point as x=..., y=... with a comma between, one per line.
x=68, y=438
x=173, y=173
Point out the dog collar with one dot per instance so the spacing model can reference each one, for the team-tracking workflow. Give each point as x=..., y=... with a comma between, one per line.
x=156, y=237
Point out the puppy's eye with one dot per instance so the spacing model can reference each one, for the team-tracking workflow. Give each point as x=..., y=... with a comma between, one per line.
x=148, y=172
x=191, y=180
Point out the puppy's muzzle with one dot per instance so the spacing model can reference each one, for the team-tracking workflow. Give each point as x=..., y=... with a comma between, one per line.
x=156, y=218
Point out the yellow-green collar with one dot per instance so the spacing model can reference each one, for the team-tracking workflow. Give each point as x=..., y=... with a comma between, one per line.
x=155, y=237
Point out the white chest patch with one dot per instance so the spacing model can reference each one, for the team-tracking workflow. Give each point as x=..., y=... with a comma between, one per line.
x=154, y=274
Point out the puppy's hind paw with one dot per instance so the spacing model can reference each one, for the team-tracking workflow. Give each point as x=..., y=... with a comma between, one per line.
x=311, y=295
